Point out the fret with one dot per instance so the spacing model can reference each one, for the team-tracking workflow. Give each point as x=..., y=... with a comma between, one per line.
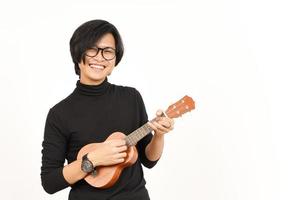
x=131, y=141
x=135, y=136
x=138, y=134
x=145, y=129
x=128, y=140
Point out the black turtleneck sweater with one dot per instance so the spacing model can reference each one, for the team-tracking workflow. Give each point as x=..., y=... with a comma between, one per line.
x=90, y=114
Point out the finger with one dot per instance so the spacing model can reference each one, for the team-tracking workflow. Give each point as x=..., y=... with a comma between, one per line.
x=152, y=126
x=160, y=127
x=121, y=148
x=118, y=142
x=172, y=122
x=165, y=123
x=120, y=155
x=119, y=160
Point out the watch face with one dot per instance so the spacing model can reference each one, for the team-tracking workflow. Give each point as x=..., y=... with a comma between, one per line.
x=86, y=166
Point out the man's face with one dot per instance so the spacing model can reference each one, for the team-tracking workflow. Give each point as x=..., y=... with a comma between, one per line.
x=96, y=69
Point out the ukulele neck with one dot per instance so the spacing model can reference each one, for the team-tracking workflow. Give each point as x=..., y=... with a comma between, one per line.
x=175, y=110
x=138, y=134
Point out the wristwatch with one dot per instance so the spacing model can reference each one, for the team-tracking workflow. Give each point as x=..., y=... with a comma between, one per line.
x=86, y=164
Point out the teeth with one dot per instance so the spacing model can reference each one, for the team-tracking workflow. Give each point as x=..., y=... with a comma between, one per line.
x=96, y=66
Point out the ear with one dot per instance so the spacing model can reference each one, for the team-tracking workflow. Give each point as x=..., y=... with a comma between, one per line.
x=80, y=65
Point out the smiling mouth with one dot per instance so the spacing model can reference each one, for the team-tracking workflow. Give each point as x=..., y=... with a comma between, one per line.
x=97, y=66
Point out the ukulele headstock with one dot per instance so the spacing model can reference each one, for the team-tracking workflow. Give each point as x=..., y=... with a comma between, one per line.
x=186, y=104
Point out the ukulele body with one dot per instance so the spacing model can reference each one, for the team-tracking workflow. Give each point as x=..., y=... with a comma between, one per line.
x=106, y=176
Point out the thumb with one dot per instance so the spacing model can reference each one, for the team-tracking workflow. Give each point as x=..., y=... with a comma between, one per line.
x=159, y=113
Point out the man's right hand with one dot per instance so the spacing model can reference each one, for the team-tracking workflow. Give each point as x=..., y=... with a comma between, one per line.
x=109, y=152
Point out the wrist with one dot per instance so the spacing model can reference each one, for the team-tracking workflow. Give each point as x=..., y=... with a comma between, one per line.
x=86, y=164
x=158, y=136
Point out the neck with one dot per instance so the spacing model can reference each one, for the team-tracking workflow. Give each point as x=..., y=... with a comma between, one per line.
x=90, y=89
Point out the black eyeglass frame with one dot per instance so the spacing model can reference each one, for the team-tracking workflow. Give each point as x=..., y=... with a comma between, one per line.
x=102, y=50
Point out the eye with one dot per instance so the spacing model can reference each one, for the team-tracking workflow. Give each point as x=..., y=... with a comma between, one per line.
x=108, y=50
x=91, y=51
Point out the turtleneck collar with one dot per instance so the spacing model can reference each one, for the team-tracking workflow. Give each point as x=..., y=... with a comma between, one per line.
x=92, y=90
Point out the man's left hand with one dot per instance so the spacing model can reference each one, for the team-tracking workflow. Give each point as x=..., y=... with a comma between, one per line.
x=162, y=124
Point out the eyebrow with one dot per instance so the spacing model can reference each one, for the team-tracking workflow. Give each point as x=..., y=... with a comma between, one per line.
x=105, y=47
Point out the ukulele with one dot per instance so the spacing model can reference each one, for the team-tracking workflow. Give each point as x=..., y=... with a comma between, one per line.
x=106, y=176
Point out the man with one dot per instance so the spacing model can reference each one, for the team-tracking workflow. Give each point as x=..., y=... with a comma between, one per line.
x=94, y=110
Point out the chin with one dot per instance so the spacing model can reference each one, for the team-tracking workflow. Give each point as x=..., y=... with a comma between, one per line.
x=97, y=79
x=97, y=76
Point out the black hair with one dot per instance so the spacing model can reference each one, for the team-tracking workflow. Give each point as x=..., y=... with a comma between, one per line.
x=87, y=35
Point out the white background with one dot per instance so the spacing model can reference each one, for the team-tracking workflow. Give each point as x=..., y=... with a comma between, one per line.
x=238, y=59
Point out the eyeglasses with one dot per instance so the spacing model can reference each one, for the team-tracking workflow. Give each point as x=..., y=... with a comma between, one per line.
x=107, y=53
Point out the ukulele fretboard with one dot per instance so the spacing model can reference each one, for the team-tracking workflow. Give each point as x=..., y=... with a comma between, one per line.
x=138, y=134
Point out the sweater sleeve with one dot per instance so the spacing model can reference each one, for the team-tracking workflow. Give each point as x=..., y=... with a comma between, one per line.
x=53, y=154
x=142, y=144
